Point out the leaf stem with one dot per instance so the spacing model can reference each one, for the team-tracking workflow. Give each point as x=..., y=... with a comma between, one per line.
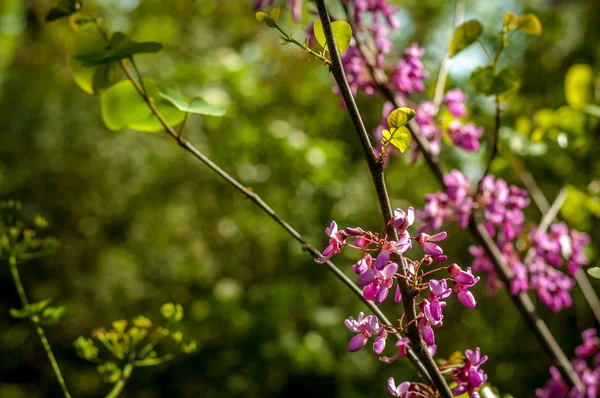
x=38, y=327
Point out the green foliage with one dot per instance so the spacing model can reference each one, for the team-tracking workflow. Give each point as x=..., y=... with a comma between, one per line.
x=400, y=117
x=342, y=34
x=464, y=35
x=267, y=19
x=30, y=309
x=92, y=80
x=123, y=107
x=195, y=105
x=579, y=89
x=134, y=344
x=594, y=272
x=487, y=81
x=399, y=137
x=120, y=47
x=63, y=8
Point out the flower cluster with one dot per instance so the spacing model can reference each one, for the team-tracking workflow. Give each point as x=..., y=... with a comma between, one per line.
x=409, y=74
x=383, y=264
x=552, y=253
x=586, y=364
x=466, y=373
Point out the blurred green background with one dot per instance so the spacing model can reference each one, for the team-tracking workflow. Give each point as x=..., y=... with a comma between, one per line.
x=142, y=223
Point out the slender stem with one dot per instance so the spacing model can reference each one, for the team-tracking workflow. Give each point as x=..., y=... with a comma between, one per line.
x=459, y=14
x=38, y=327
x=154, y=361
x=524, y=304
x=542, y=203
x=485, y=51
x=270, y=212
x=494, y=144
x=120, y=385
x=290, y=39
x=376, y=170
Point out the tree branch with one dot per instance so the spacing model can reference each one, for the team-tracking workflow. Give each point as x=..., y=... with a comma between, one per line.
x=269, y=211
x=551, y=211
x=522, y=301
x=376, y=170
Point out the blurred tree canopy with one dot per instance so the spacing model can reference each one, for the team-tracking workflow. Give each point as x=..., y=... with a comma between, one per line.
x=142, y=223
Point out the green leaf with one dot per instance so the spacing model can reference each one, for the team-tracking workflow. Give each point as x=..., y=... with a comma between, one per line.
x=275, y=13
x=266, y=18
x=487, y=82
x=52, y=315
x=30, y=309
x=482, y=79
x=592, y=110
x=120, y=47
x=529, y=24
x=506, y=82
x=123, y=107
x=399, y=117
x=465, y=35
x=342, y=34
x=95, y=79
x=196, y=105
x=63, y=8
x=594, y=272
x=400, y=138
x=579, y=85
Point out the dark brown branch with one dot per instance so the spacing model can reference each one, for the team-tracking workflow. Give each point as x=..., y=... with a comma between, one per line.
x=267, y=209
x=376, y=170
x=522, y=301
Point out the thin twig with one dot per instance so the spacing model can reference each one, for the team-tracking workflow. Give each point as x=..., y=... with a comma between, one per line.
x=521, y=301
x=494, y=145
x=542, y=204
x=267, y=209
x=38, y=327
x=376, y=170
x=459, y=14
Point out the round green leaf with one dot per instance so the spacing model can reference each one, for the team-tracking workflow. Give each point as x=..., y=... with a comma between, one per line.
x=400, y=138
x=123, y=107
x=465, y=35
x=399, y=117
x=342, y=34
x=594, y=272
x=120, y=47
x=530, y=24
x=91, y=80
x=506, y=82
x=196, y=105
x=482, y=79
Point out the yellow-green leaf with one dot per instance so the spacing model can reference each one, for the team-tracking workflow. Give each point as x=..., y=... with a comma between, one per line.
x=266, y=18
x=123, y=107
x=579, y=85
x=510, y=20
x=399, y=117
x=342, y=34
x=400, y=138
x=594, y=272
x=275, y=13
x=465, y=35
x=530, y=24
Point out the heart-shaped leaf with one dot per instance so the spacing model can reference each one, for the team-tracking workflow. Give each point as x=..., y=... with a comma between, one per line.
x=120, y=47
x=530, y=24
x=400, y=138
x=342, y=34
x=123, y=107
x=92, y=80
x=465, y=35
x=399, y=117
x=196, y=105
